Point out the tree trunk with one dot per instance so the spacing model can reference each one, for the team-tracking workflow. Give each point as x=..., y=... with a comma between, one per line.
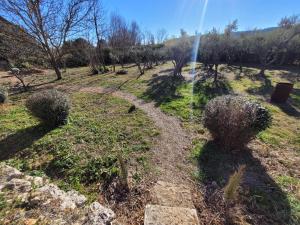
x=216, y=74
x=21, y=79
x=140, y=69
x=55, y=66
x=177, y=70
x=283, y=59
x=58, y=73
x=262, y=71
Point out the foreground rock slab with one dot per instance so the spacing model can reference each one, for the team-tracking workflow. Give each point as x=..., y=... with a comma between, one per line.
x=45, y=203
x=162, y=215
x=167, y=194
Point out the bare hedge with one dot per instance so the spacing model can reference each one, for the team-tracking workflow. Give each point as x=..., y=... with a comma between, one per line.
x=234, y=121
x=50, y=106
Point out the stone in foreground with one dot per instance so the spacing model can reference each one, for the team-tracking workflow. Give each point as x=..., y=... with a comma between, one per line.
x=162, y=215
x=167, y=194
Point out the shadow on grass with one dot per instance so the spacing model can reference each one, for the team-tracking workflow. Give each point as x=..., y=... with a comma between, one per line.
x=167, y=71
x=261, y=196
x=291, y=107
x=22, y=139
x=265, y=90
x=295, y=98
x=236, y=70
x=162, y=89
x=206, y=90
x=292, y=75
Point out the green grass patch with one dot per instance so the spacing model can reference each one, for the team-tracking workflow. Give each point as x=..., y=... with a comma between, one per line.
x=85, y=147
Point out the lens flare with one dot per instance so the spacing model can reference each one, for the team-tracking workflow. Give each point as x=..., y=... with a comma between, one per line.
x=196, y=48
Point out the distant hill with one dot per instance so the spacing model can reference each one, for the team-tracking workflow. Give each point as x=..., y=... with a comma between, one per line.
x=265, y=30
x=16, y=45
x=236, y=34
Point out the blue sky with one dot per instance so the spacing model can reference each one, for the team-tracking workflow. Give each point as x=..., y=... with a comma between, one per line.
x=175, y=14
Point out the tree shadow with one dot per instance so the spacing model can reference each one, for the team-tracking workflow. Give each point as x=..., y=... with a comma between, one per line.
x=205, y=90
x=291, y=108
x=265, y=90
x=239, y=74
x=291, y=76
x=262, y=198
x=295, y=98
x=162, y=89
x=166, y=71
x=43, y=83
x=21, y=140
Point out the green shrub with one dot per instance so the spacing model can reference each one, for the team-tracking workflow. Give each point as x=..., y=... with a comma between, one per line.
x=50, y=106
x=64, y=162
x=3, y=95
x=100, y=169
x=234, y=121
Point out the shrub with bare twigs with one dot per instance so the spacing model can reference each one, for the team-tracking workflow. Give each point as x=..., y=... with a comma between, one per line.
x=50, y=106
x=234, y=121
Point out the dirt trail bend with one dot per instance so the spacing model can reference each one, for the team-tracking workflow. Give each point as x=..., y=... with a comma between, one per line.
x=171, y=150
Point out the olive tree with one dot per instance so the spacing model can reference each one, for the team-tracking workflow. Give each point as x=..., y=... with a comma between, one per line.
x=230, y=42
x=270, y=46
x=180, y=52
x=211, y=51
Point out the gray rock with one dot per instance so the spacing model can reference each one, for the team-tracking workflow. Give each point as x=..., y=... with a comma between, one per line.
x=50, y=193
x=18, y=185
x=99, y=215
x=7, y=173
x=49, y=201
x=173, y=195
x=77, y=198
x=36, y=181
x=162, y=215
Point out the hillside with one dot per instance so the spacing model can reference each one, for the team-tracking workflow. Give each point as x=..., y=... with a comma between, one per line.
x=16, y=45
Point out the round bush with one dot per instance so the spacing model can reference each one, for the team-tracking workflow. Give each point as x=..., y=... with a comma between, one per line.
x=50, y=106
x=234, y=121
x=3, y=95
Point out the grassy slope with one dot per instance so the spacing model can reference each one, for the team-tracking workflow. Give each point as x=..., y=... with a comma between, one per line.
x=177, y=98
x=99, y=125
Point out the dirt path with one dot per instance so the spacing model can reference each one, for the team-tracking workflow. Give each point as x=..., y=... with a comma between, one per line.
x=171, y=150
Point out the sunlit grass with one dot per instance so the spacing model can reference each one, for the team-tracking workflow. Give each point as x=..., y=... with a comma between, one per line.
x=97, y=125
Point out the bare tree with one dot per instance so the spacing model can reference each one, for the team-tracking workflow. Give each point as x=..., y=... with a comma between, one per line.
x=288, y=22
x=49, y=22
x=97, y=61
x=149, y=38
x=118, y=37
x=122, y=37
x=161, y=36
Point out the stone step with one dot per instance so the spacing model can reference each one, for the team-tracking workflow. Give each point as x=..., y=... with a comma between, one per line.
x=167, y=194
x=163, y=215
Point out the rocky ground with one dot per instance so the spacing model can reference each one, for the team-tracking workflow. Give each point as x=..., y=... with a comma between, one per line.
x=34, y=200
